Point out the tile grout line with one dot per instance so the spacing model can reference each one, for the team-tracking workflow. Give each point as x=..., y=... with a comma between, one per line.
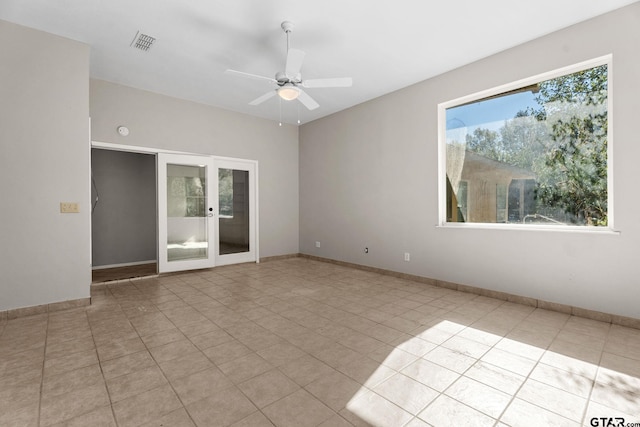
x=595, y=378
x=113, y=414
x=44, y=359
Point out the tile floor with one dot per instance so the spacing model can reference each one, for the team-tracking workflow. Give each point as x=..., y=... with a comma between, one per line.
x=299, y=343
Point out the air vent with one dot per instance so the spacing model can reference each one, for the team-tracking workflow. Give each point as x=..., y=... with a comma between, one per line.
x=142, y=41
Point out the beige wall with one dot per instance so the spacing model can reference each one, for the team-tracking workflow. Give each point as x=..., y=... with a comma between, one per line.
x=44, y=160
x=158, y=121
x=368, y=177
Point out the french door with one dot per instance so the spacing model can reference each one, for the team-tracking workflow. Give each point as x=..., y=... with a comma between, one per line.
x=186, y=212
x=206, y=212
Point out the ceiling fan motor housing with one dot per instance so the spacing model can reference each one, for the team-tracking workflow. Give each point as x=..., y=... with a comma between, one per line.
x=282, y=78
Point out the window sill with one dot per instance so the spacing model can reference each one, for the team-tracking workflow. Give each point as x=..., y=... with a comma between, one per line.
x=527, y=227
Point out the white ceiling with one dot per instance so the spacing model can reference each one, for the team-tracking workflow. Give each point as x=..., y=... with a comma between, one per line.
x=383, y=45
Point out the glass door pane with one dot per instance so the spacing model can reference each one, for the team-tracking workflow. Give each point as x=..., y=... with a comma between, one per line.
x=236, y=239
x=233, y=215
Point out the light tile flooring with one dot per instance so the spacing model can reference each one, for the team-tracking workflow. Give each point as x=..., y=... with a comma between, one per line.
x=299, y=343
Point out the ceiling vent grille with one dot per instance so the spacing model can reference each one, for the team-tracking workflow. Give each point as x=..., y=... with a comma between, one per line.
x=142, y=41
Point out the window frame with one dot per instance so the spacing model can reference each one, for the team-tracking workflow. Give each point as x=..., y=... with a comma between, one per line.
x=502, y=89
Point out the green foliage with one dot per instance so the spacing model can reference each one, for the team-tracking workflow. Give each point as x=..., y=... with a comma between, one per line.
x=574, y=176
x=518, y=142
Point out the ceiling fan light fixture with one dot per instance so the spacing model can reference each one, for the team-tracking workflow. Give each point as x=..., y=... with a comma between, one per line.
x=288, y=92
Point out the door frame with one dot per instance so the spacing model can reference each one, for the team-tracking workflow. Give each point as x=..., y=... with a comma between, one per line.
x=156, y=151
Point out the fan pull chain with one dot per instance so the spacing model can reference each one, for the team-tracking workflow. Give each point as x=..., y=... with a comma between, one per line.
x=280, y=108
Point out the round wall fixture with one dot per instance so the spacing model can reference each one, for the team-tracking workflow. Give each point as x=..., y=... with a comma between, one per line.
x=123, y=130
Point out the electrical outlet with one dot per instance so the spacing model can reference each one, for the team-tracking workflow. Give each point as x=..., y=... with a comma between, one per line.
x=69, y=207
x=317, y=244
x=407, y=256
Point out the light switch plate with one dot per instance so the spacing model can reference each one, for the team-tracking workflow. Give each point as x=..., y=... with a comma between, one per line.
x=69, y=207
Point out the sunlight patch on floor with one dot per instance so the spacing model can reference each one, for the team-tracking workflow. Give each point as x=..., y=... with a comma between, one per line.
x=455, y=372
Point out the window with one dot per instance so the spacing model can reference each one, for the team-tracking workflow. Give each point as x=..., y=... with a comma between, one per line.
x=533, y=153
x=185, y=194
x=501, y=203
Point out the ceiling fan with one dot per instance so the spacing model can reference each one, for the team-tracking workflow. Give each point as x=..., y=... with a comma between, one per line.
x=289, y=83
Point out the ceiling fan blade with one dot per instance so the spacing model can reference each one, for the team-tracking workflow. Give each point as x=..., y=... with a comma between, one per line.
x=295, y=58
x=250, y=76
x=263, y=98
x=307, y=101
x=335, y=82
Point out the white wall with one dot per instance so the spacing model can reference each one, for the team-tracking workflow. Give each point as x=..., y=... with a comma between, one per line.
x=159, y=121
x=44, y=160
x=368, y=177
